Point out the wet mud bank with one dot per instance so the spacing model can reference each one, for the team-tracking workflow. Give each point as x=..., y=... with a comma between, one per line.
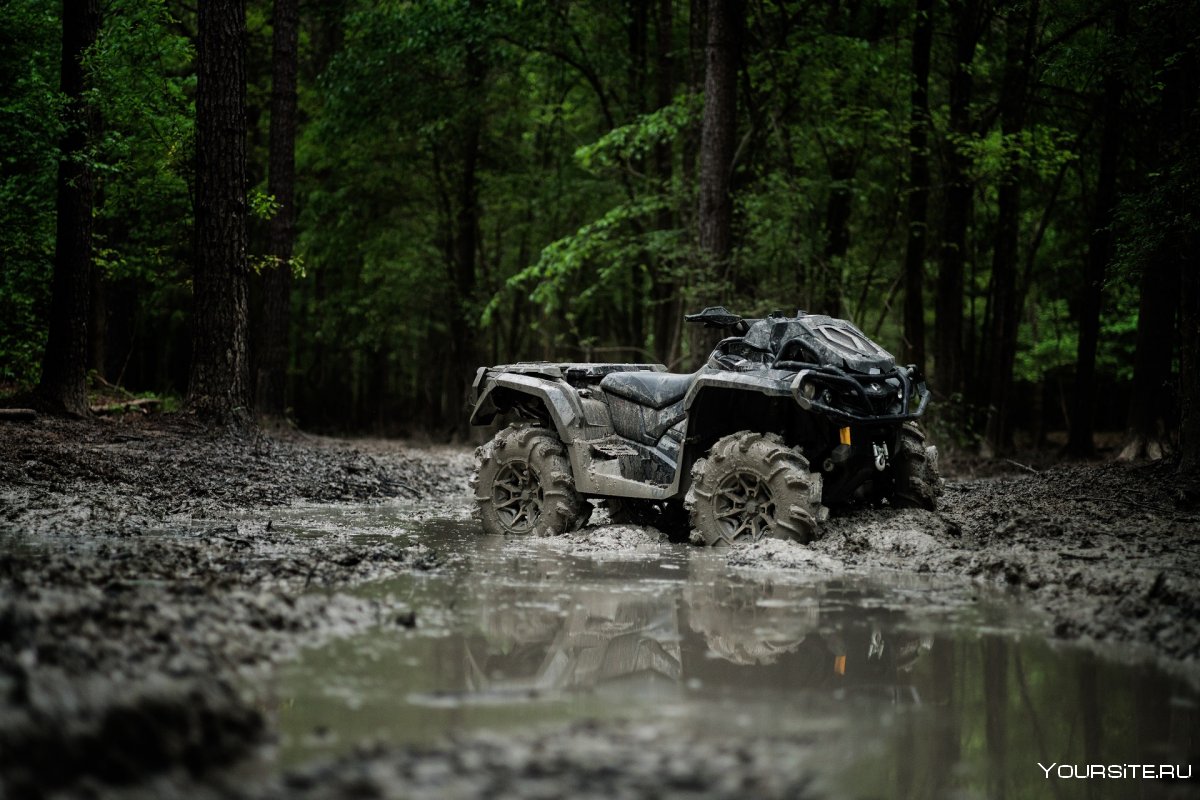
x=1110, y=551
x=145, y=592
x=150, y=588
x=125, y=657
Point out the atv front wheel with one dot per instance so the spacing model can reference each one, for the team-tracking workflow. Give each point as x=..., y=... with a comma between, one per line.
x=752, y=486
x=523, y=485
x=917, y=483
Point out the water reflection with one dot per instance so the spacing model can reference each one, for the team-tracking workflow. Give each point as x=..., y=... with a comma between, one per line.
x=601, y=637
x=897, y=700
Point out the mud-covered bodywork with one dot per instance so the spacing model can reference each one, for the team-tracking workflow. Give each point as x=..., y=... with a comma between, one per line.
x=635, y=430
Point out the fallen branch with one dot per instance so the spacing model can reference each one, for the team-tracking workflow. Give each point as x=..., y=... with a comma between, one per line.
x=126, y=405
x=1025, y=467
x=100, y=380
x=17, y=413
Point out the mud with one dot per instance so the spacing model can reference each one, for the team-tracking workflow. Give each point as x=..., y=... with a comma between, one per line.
x=1111, y=551
x=146, y=596
x=124, y=475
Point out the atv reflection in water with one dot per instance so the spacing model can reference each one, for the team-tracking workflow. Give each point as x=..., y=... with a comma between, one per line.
x=876, y=679
x=634, y=639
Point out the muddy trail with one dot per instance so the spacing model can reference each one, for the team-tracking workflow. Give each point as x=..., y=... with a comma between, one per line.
x=160, y=582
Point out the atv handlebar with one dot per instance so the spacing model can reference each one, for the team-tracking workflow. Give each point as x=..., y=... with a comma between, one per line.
x=721, y=318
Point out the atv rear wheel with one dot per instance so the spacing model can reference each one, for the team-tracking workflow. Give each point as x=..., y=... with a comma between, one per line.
x=752, y=486
x=523, y=485
x=917, y=483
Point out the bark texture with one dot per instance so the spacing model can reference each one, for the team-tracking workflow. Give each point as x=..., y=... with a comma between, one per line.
x=1169, y=274
x=1100, y=248
x=220, y=374
x=664, y=290
x=62, y=388
x=719, y=127
x=271, y=383
x=918, y=193
x=1020, y=28
x=837, y=230
x=960, y=193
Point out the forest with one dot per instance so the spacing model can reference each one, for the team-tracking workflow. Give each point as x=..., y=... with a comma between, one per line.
x=253, y=253
x=334, y=212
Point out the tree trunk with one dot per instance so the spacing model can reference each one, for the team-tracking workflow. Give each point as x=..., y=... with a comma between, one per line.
x=1187, y=76
x=271, y=383
x=1019, y=34
x=1100, y=246
x=1146, y=434
x=960, y=193
x=663, y=288
x=466, y=239
x=63, y=385
x=220, y=375
x=918, y=197
x=98, y=325
x=719, y=128
x=837, y=230
x=1168, y=277
x=1189, y=373
x=638, y=31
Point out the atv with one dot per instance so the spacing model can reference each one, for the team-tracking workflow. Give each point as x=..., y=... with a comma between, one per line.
x=789, y=417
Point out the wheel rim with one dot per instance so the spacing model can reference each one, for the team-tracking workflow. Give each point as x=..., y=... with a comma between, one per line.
x=744, y=507
x=517, y=496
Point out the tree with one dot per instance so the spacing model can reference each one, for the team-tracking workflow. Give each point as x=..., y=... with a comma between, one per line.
x=918, y=193
x=719, y=128
x=1100, y=246
x=271, y=383
x=466, y=237
x=63, y=387
x=968, y=17
x=220, y=372
x=664, y=291
x=1020, y=27
x=1189, y=389
x=1159, y=239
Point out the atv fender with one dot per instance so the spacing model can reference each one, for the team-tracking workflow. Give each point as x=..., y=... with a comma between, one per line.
x=767, y=384
x=557, y=396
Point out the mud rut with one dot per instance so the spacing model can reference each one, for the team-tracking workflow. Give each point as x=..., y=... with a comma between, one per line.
x=144, y=592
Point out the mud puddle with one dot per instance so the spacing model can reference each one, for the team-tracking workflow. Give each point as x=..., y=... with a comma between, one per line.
x=879, y=685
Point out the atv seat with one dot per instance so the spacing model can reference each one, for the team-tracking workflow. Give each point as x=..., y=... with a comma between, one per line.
x=652, y=389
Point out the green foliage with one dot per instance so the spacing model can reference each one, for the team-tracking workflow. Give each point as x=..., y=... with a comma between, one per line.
x=30, y=108
x=624, y=145
x=583, y=205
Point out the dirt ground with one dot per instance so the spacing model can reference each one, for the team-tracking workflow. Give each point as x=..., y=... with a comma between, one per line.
x=140, y=604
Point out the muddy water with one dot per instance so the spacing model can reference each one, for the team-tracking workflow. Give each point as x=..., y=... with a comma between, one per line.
x=896, y=686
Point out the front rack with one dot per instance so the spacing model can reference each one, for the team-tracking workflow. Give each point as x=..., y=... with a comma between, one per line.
x=912, y=386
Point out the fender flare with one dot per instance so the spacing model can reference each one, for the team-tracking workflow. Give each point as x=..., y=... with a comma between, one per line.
x=778, y=387
x=708, y=383
x=556, y=395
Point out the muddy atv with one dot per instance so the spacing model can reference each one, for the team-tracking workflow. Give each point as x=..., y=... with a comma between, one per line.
x=789, y=417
